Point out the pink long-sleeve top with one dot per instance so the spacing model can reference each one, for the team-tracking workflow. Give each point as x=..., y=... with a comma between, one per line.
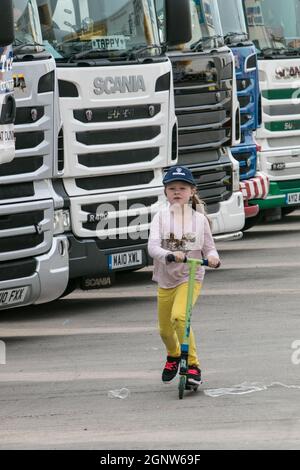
x=172, y=230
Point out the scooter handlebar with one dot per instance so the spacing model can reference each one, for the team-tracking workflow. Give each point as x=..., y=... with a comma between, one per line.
x=172, y=259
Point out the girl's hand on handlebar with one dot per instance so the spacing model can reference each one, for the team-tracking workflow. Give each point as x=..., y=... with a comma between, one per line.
x=179, y=256
x=213, y=262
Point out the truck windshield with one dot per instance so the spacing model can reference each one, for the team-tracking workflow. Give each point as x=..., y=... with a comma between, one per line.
x=232, y=19
x=97, y=27
x=206, y=24
x=27, y=26
x=274, y=24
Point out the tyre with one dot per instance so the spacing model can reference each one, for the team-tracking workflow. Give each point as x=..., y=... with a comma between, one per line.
x=181, y=387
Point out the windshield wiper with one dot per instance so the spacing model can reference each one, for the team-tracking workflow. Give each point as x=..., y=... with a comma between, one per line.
x=232, y=37
x=30, y=46
x=136, y=51
x=130, y=54
x=198, y=45
x=273, y=51
x=92, y=54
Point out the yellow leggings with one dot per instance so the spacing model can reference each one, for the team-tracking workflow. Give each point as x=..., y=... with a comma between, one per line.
x=171, y=319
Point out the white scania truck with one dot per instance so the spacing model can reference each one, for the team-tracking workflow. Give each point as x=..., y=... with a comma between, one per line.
x=34, y=262
x=118, y=128
x=274, y=28
x=7, y=104
x=208, y=115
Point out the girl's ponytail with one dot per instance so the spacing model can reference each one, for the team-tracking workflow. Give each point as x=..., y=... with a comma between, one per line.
x=199, y=206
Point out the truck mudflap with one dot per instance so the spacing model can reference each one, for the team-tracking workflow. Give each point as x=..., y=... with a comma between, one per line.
x=255, y=188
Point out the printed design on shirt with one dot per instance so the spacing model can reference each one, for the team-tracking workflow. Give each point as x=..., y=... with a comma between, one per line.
x=186, y=243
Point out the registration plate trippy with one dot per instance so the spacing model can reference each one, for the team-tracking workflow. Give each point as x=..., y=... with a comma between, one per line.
x=13, y=296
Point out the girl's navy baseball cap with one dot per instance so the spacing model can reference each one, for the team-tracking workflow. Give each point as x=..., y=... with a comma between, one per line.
x=179, y=173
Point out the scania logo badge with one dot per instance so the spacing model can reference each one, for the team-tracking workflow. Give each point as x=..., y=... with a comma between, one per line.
x=39, y=229
x=119, y=84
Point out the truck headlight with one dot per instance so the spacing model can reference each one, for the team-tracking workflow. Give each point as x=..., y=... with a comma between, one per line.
x=62, y=221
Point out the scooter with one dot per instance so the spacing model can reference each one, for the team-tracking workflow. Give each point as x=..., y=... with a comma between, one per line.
x=183, y=368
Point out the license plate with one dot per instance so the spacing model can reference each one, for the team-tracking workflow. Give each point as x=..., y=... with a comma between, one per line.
x=13, y=296
x=293, y=198
x=126, y=259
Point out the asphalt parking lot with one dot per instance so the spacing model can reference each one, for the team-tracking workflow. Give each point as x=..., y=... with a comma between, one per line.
x=63, y=359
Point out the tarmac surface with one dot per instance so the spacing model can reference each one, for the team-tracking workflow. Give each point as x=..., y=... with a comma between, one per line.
x=63, y=359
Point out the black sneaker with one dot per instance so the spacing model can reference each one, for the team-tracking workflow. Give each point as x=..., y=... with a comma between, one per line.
x=194, y=375
x=170, y=369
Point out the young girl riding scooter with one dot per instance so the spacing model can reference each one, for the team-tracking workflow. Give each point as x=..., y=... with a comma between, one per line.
x=181, y=229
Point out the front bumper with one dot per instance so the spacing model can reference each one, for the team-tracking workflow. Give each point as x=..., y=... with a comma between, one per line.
x=277, y=196
x=255, y=188
x=88, y=259
x=230, y=218
x=48, y=281
x=250, y=211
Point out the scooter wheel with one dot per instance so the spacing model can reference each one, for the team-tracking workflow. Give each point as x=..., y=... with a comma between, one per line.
x=181, y=386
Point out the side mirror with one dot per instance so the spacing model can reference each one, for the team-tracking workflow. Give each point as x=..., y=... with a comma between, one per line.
x=178, y=22
x=6, y=23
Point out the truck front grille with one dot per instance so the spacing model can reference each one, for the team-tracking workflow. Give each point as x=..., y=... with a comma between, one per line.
x=10, y=244
x=15, y=191
x=28, y=140
x=244, y=101
x=117, y=132
x=34, y=123
x=19, y=220
x=214, y=184
x=118, y=222
x=120, y=113
x=17, y=269
x=28, y=115
x=203, y=118
x=111, y=181
x=124, y=157
x=245, y=161
x=25, y=230
x=24, y=166
x=117, y=136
